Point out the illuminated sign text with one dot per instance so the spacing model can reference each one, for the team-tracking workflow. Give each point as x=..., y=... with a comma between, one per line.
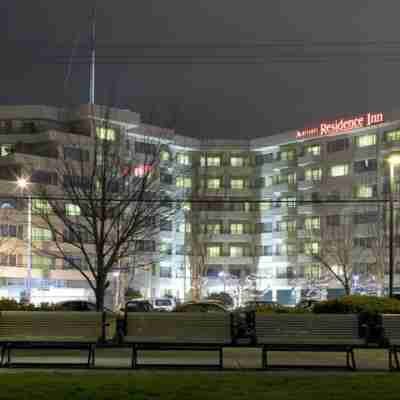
x=341, y=125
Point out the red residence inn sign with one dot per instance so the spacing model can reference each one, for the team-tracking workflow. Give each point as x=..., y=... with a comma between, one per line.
x=341, y=126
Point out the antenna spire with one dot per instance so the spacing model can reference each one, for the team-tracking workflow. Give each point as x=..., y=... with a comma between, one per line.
x=93, y=57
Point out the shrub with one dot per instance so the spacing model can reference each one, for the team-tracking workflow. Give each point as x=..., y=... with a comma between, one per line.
x=358, y=304
x=13, y=305
x=133, y=294
x=9, y=305
x=278, y=309
x=222, y=297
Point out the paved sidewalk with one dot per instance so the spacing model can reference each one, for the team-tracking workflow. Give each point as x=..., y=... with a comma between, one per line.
x=234, y=359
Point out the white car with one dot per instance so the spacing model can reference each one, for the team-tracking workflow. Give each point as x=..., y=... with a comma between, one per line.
x=164, y=304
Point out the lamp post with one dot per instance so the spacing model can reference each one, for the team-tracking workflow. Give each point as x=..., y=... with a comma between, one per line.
x=23, y=183
x=393, y=161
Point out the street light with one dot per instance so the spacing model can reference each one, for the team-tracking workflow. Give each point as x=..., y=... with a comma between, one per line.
x=221, y=274
x=393, y=161
x=23, y=184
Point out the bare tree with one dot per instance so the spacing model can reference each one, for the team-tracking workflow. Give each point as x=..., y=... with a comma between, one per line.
x=338, y=254
x=107, y=206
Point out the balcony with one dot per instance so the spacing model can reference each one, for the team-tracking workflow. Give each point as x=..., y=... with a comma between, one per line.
x=307, y=159
x=284, y=234
x=282, y=164
x=308, y=233
x=228, y=260
x=283, y=187
x=305, y=185
x=305, y=208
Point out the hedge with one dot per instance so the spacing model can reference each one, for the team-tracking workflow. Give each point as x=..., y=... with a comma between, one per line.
x=358, y=304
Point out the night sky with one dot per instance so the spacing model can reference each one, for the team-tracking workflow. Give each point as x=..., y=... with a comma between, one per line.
x=222, y=98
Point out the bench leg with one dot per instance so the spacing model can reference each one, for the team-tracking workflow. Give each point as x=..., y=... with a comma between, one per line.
x=134, y=357
x=8, y=362
x=3, y=351
x=93, y=355
x=396, y=357
x=264, y=362
x=350, y=359
x=221, y=358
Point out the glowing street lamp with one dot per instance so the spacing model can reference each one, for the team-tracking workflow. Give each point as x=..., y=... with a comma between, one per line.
x=23, y=184
x=393, y=161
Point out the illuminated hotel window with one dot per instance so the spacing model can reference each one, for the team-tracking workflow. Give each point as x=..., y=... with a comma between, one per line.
x=365, y=191
x=213, y=251
x=288, y=155
x=213, y=161
x=236, y=251
x=366, y=140
x=291, y=178
x=289, y=202
x=237, y=183
x=184, y=227
x=213, y=183
x=183, y=159
x=311, y=248
x=237, y=161
x=165, y=156
x=186, y=206
x=105, y=133
x=40, y=206
x=182, y=182
x=236, y=229
x=312, y=223
x=393, y=136
x=41, y=234
x=340, y=170
x=72, y=209
x=265, y=205
x=312, y=271
x=313, y=175
x=214, y=228
x=314, y=149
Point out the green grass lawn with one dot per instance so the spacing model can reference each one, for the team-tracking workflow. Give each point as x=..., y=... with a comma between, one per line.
x=196, y=385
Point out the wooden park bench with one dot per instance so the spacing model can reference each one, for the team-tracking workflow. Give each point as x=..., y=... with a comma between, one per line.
x=308, y=332
x=391, y=334
x=177, y=331
x=51, y=330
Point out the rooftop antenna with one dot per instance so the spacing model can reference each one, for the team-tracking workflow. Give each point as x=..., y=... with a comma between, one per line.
x=93, y=57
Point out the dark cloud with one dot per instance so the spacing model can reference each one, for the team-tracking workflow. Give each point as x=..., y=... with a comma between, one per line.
x=215, y=100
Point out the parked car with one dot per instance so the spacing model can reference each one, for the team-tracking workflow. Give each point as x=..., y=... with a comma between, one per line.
x=201, y=306
x=307, y=304
x=79, y=305
x=138, y=306
x=252, y=305
x=164, y=304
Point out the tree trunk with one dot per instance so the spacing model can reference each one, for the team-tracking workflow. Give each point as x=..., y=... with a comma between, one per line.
x=100, y=294
x=347, y=287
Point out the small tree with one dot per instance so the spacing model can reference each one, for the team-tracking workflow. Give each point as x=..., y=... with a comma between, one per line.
x=107, y=206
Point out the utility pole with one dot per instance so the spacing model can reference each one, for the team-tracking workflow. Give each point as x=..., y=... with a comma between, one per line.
x=93, y=58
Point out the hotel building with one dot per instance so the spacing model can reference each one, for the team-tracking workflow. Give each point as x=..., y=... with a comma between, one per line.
x=258, y=207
